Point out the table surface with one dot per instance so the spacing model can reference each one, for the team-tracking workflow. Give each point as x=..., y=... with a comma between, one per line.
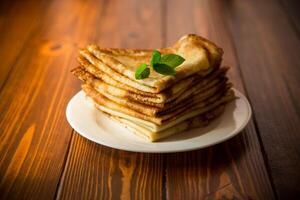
x=43, y=158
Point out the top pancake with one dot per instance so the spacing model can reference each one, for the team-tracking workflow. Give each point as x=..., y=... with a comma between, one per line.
x=176, y=92
x=201, y=57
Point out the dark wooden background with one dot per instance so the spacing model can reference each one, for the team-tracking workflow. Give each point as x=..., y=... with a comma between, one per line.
x=41, y=157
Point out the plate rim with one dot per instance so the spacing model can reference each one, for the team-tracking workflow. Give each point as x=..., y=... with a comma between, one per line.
x=123, y=148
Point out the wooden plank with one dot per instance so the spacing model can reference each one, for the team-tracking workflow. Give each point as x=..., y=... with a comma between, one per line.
x=18, y=21
x=274, y=69
x=234, y=169
x=291, y=8
x=97, y=172
x=34, y=134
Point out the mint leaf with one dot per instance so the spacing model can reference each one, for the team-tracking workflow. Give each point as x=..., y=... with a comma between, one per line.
x=164, y=69
x=161, y=64
x=172, y=60
x=155, y=57
x=142, y=72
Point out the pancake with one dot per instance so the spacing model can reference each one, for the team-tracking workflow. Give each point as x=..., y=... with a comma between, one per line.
x=195, y=122
x=156, y=123
x=175, y=93
x=198, y=99
x=151, y=97
x=169, y=107
x=201, y=57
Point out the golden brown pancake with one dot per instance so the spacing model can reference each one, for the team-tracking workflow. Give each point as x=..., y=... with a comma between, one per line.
x=109, y=106
x=195, y=122
x=175, y=93
x=201, y=57
x=169, y=107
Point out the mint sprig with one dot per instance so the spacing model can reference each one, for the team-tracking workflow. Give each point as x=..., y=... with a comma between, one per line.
x=164, y=65
x=164, y=69
x=171, y=60
x=142, y=72
x=156, y=56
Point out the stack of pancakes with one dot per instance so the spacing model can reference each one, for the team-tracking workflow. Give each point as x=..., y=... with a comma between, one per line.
x=158, y=106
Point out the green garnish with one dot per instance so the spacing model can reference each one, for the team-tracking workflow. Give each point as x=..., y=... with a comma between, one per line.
x=171, y=60
x=142, y=72
x=155, y=57
x=164, y=69
x=165, y=65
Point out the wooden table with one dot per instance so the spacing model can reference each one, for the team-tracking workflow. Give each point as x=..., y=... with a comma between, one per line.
x=43, y=158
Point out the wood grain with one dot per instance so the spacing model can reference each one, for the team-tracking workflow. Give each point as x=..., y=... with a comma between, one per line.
x=20, y=21
x=34, y=135
x=235, y=169
x=269, y=62
x=225, y=171
x=97, y=172
x=291, y=10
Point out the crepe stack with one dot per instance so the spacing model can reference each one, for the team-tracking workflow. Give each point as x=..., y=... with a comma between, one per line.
x=158, y=106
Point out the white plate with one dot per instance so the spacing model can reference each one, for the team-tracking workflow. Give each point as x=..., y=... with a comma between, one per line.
x=95, y=126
